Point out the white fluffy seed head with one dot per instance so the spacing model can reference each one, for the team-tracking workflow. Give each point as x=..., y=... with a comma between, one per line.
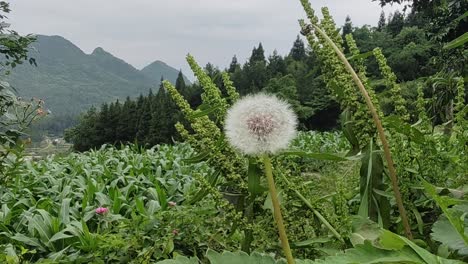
x=260, y=124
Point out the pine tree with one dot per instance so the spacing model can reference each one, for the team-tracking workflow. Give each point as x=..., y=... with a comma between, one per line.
x=180, y=82
x=396, y=23
x=381, y=24
x=234, y=65
x=126, y=125
x=112, y=123
x=348, y=27
x=102, y=124
x=258, y=54
x=144, y=121
x=276, y=65
x=298, y=52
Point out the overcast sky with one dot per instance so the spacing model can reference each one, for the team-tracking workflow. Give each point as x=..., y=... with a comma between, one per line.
x=142, y=31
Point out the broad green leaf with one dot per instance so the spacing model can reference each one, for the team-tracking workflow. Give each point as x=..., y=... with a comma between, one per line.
x=238, y=257
x=310, y=242
x=368, y=254
x=180, y=260
x=31, y=241
x=446, y=234
x=65, y=211
x=152, y=206
x=162, y=196
x=58, y=236
x=318, y=156
x=406, y=129
x=196, y=159
x=460, y=41
x=455, y=217
x=140, y=206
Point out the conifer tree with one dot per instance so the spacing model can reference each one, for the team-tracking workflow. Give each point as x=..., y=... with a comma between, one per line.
x=298, y=50
x=396, y=23
x=234, y=65
x=144, y=121
x=258, y=54
x=276, y=65
x=381, y=24
x=348, y=27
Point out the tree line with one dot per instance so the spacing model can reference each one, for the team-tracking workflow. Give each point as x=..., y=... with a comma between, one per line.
x=413, y=51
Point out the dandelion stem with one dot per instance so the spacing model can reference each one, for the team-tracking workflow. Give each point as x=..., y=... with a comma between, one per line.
x=378, y=124
x=277, y=210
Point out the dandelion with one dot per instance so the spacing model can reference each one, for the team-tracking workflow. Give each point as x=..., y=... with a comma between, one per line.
x=101, y=210
x=172, y=204
x=260, y=124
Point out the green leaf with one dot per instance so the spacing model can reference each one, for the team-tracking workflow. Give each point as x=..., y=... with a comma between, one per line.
x=382, y=246
x=253, y=175
x=180, y=260
x=199, y=113
x=445, y=233
x=373, y=204
x=31, y=241
x=140, y=206
x=318, y=156
x=406, y=129
x=198, y=158
x=238, y=257
x=310, y=242
x=152, y=206
x=348, y=132
x=212, y=179
x=162, y=196
x=268, y=204
x=455, y=217
x=361, y=56
x=59, y=236
x=460, y=41
x=368, y=254
x=65, y=211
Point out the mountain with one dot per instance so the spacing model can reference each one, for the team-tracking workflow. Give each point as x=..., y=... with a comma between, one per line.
x=159, y=69
x=70, y=81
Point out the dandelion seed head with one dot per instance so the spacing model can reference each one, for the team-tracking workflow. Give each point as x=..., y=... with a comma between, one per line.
x=260, y=124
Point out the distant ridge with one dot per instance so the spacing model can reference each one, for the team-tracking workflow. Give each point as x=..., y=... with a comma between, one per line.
x=70, y=81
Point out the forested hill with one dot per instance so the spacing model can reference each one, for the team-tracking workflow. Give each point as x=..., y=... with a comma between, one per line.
x=70, y=81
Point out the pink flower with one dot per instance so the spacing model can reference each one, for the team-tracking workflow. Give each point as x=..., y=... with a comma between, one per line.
x=175, y=232
x=102, y=210
x=172, y=204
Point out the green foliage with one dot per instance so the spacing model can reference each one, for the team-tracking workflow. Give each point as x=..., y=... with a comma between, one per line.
x=51, y=207
x=16, y=115
x=71, y=81
x=376, y=245
x=452, y=228
x=149, y=121
x=14, y=47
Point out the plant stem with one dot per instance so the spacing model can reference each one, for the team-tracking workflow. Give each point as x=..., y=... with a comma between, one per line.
x=317, y=213
x=381, y=132
x=277, y=210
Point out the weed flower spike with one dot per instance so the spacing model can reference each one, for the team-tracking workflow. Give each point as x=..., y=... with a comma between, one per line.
x=260, y=124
